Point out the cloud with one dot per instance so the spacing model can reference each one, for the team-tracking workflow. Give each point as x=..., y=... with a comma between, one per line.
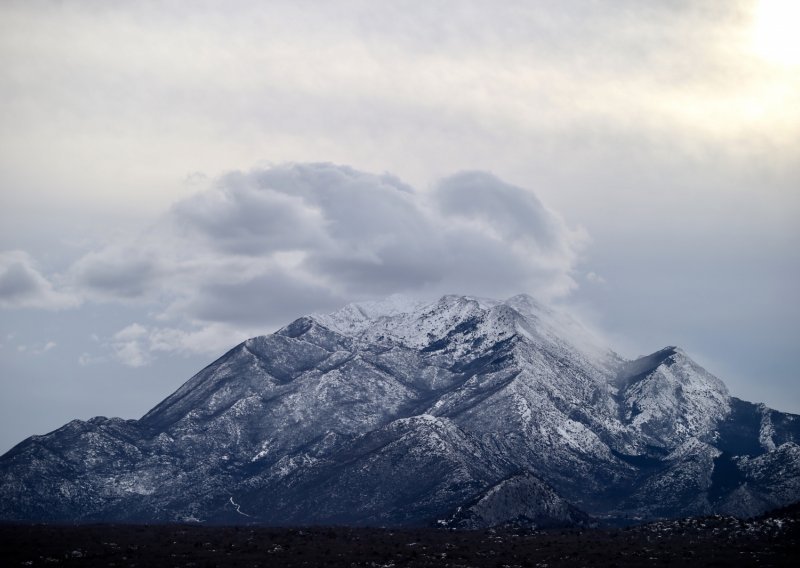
x=137, y=345
x=129, y=346
x=241, y=219
x=123, y=271
x=319, y=234
x=500, y=209
x=265, y=246
x=503, y=240
x=595, y=278
x=86, y=359
x=36, y=349
x=22, y=285
x=273, y=295
x=43, y=349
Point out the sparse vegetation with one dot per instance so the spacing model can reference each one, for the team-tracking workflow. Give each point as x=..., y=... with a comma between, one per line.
x=771, y=540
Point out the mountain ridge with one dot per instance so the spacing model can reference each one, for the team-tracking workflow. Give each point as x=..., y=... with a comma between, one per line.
x=401, y=412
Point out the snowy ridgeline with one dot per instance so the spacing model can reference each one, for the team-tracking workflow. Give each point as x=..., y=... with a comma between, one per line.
x=465, y=412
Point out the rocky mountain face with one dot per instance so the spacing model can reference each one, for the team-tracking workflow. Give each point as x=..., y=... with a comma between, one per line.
x=464, y=412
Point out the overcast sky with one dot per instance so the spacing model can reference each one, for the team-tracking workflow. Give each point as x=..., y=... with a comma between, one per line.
x=178, y=176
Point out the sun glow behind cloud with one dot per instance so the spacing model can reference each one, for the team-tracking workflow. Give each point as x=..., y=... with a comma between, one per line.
x=744, y=100
x=775, y=34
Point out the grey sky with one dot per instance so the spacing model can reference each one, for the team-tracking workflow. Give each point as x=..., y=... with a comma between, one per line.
x=637, y=161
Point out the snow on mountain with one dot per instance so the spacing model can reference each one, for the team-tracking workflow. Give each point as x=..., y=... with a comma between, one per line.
x=668, y=398
x=401, y=412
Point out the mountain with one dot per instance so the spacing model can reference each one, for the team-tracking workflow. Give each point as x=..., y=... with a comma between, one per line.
x=464, y=412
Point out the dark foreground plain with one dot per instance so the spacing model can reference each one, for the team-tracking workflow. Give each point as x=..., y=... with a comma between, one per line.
x=771, y=540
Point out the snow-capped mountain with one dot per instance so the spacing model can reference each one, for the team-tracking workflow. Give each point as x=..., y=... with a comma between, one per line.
x=465, y=412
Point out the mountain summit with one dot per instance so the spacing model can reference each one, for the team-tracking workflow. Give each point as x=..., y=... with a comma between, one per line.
x=465, y=412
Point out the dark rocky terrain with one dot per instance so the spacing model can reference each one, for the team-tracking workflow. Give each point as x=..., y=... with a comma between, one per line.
x=464, y=413
x=770, y=540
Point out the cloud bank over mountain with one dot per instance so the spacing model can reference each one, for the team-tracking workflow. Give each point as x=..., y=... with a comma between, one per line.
x=259, y=247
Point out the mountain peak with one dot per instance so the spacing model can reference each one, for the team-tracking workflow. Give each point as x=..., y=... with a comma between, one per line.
x=668, y=397
x=417, y=323
x=645, y=364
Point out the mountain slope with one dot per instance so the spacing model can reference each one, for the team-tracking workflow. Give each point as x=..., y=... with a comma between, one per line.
x=402, y=413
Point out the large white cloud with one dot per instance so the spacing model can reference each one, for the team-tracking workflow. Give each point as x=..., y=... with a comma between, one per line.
x=263, y=247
